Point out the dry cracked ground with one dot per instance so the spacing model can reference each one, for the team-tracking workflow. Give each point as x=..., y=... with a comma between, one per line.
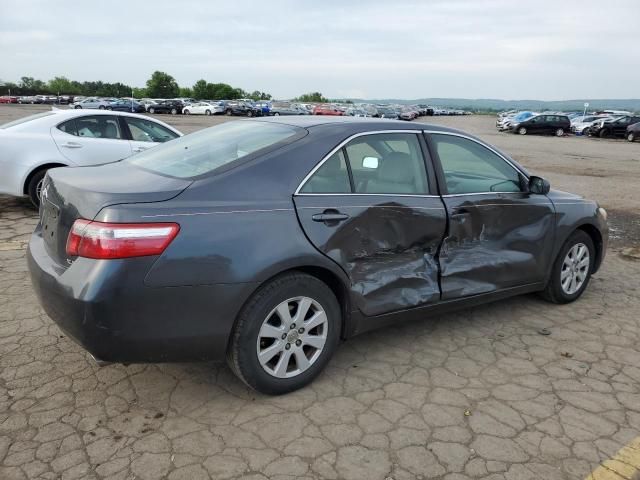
x=476, y=394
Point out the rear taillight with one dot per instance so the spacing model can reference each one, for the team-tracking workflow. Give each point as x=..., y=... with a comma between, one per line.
x=119, y=240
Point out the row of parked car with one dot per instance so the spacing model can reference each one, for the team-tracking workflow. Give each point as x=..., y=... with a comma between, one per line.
x=605, y=124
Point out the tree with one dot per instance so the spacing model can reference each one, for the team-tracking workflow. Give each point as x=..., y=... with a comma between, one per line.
x=186, y=92
x=59, y=85
x=256, y=95
x=139, y=92
x=200, y=89
x=162, y=85
x=312, y=97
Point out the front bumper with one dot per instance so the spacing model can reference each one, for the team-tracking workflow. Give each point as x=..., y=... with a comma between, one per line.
x=105, y=307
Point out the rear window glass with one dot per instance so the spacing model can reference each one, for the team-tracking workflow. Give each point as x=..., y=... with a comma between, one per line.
x=204, y=151
x=20, y=121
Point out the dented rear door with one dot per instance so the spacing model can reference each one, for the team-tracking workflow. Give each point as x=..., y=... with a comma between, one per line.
x=386, y=243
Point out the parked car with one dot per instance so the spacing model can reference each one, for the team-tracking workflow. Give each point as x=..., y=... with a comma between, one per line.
x=30, y=146
x=504, y=122
x=633, y=132
x=126, y=106
x=284, y=108
x=91, y=103
x=203, y=108
x=612, y=127
x=240, y=108
x=387, y=112
x=163, y=256
x=327, y=110
x=356, y=112
x=557, y=125
x=147, y=102
x=174, y=107
x=582, y=123
x=408, y=113
x=8, y=99
x=25, y=99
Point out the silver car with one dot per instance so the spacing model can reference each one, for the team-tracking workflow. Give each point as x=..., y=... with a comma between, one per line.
x=91, y=102
x=582, y=123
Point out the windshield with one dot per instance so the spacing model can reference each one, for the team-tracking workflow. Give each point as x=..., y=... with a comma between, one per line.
x=20, y=121
x=204, y=151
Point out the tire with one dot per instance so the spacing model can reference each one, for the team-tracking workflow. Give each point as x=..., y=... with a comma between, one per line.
x=78, y=107
x=249, y=113
x=101, y=107
x=228, y=113
x=603, y=133
x=152, y=110
x=246, y=341
x=560, y=132
x=109, y=108
x=522, y=131
x=186, y=112
x=277, y=114
x=585, y=131
x=631, y=137
x=554, y=291
x=174, y=111
x=34, y=186
x=207, y=112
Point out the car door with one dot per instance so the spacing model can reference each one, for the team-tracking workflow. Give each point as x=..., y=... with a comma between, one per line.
x=499, y=235
x=145, y=133
x=91, y=139
x=371, y=207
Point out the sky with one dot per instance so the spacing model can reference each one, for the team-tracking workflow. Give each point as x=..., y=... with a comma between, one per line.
x=375, y=49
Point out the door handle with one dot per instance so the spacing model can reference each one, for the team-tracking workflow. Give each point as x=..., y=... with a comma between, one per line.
x=329, y=216
x=139, y=149
x=71, y=145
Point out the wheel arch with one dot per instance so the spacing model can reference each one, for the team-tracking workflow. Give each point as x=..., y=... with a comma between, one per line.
x=598, y=243
x=35, y=170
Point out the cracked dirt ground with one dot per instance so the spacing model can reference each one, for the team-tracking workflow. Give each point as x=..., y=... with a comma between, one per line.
x=391, y=404
x=476, y=394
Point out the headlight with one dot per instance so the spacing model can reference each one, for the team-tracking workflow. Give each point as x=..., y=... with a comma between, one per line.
x=603, y=213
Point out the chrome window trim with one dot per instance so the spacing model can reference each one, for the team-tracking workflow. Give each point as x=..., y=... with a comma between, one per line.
x=455, y=134
x=367, y=195
x=342, y=144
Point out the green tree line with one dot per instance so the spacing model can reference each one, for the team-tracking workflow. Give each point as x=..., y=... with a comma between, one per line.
x=160, y=85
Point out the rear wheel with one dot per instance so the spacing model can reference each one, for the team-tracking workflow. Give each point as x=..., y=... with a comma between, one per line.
x=174, y=111
x=277, y=114
x=285, y=334
x=34, y=188
x=603, y=133
x=585, y=131
x=249, y=113
x=76, y=107
x=631, y=137
x=186, y=112
x=152, y=110
x=522, y=131
x=109, y=108
x=571, y=271
x=228, y=113
x=207, y=112
x=559, y=132
x=101, y=107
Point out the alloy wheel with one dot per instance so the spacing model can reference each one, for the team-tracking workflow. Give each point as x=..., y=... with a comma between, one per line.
x=575, y=268
x=292, y=337
x=631, y=137
x=559, y=132
x=39, y=189
x=522, y=131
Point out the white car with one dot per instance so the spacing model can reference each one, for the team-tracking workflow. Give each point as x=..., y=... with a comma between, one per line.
x=203, y=108
x=91, y=103
x=582, y=124
x=32, y=145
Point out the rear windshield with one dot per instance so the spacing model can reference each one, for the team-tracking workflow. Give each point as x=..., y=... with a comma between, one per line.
x=204, y=151
x=20, y=121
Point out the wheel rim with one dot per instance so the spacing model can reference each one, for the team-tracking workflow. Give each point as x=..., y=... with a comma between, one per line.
x=575, y=268
x=151, y=110
x=292, y=337
x=559, y=132
x=631, y=137
x=39, y=189
x=522, y=131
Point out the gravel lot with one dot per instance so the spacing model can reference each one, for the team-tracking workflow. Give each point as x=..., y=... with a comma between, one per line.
x=476, y=394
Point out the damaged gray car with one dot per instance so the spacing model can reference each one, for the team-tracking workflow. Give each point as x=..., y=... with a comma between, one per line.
x=267, y=241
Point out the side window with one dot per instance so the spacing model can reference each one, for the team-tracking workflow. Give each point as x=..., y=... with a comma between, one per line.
x=147, y=131
x=387, y=163
x=331, y=177
x=469, y=167
x=99, y=126
x=69, y=127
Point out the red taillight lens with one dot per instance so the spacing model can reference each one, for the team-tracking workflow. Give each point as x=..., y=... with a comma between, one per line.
x=119, y=240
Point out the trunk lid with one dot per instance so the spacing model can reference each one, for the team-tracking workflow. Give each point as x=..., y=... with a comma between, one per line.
x=70, y=193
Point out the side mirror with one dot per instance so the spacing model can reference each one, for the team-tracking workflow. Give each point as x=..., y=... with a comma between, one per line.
x=539, y=185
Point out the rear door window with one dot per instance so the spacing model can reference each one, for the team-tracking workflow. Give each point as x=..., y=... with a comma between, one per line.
x=69, y=127
x=99, y=126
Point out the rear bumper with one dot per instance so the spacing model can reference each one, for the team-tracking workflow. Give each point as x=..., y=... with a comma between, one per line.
x=105, y=307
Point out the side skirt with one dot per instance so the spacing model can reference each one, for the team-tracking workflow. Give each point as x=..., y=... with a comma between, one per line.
x=359, y=323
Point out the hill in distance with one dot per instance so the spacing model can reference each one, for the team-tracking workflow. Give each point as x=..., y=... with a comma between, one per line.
x=490, y=104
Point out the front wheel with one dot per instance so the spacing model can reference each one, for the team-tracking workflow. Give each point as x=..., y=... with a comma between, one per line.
x=109, y=108
x=249, y=113
x=207, y=112
x=285, y=334
x=101, y=107
x=186, y=112
x=603, y=133
x=522, y=131
x=631, y=137
x=559, y=132
x=228, y=113
x=34, y=188
x=572, y=269
x=76, y=107
x=152, y=110
x=174, y=111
